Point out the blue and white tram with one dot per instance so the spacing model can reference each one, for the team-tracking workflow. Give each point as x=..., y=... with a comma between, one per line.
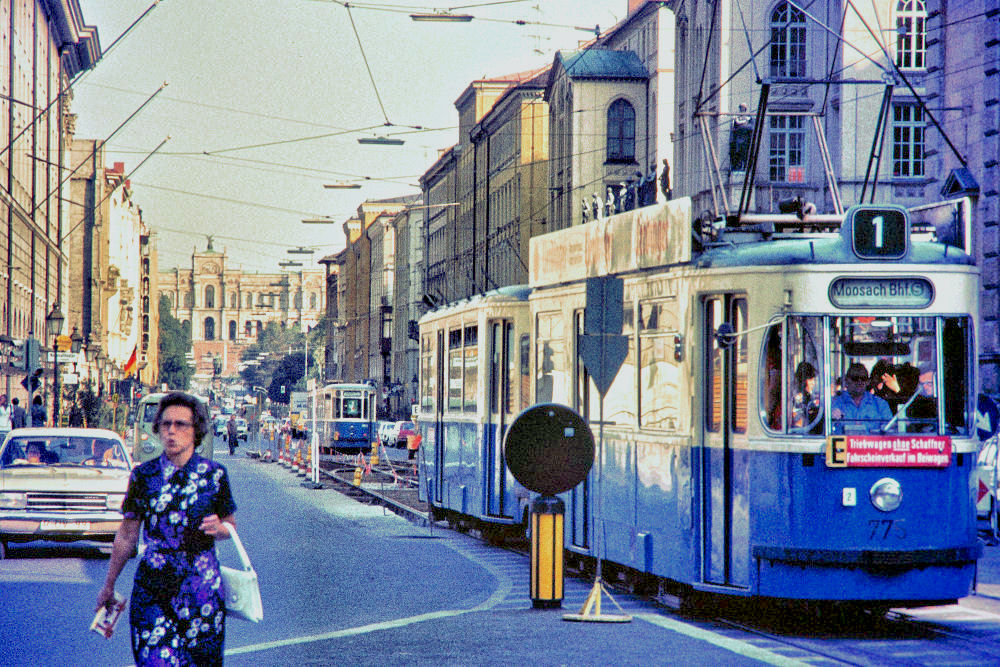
x=733, y=462
x=345, y=417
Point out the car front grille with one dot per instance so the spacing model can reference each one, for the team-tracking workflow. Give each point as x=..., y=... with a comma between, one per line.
x=67, y=502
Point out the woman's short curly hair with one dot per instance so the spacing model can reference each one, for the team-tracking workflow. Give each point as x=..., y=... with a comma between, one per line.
x=199, y=412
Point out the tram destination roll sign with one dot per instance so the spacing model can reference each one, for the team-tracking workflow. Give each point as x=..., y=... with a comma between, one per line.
x=881, y=292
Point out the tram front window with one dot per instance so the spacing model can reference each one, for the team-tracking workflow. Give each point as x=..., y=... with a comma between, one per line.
x=881, y=375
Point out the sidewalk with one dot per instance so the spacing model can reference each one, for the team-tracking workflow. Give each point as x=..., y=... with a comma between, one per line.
x=988, y=575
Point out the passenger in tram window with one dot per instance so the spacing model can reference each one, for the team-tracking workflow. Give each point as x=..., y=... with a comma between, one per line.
x=854, y=410
x=883, y=381
x=805, y=402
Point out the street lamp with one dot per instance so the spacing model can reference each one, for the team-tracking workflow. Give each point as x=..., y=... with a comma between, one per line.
x=101, y=359
x=54, y=321
x=76, y=341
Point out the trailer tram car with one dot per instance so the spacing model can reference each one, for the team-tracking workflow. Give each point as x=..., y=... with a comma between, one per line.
x=731, y=462
x=345, y=417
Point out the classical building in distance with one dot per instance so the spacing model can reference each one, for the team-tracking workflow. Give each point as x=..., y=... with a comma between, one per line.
x=227, y=308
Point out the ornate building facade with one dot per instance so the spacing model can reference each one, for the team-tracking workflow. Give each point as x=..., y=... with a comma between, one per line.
x=228, y=308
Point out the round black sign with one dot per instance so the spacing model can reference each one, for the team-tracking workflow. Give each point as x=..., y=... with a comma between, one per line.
x=549, y=448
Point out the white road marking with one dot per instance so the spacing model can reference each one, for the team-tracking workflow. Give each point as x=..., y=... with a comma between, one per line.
x=734, y=645
x=349, y=632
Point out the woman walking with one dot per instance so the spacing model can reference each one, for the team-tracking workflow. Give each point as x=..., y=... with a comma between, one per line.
x=177, y=614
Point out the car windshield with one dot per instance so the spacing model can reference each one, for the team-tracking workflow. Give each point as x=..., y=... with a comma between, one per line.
x=41, y=450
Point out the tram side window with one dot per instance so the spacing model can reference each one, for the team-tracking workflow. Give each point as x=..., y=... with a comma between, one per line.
x=524, y=366
x=956, y=341
x=771, y=384
x=804, y=404
x=428, y=377
x=455, y=369
x=659, y=372
x=713, y=368
x=620, y=403
x=470, y=358
x=551, y=374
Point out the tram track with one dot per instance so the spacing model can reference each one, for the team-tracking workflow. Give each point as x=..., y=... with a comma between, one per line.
x=856, y=638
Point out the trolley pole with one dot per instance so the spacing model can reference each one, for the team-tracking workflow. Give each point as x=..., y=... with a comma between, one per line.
x=313, y=481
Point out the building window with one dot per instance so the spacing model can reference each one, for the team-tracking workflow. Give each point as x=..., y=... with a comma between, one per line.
x=907, y=141
x=249, y=300
x=232, y=329
x=188, y=300
x=788, y=42
x=232, y=300
x=209, y=296
x=209, y=328
x=312, y=301
x=621, y=131
x=787, y=152
x=911, y=32
x=248, y=328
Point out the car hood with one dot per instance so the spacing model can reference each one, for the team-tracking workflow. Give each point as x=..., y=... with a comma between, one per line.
x=64, y=478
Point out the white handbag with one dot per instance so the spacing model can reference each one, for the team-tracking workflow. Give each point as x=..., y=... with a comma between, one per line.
x=241, y=588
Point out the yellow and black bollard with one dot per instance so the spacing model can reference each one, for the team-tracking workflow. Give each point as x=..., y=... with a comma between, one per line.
x=547, y=552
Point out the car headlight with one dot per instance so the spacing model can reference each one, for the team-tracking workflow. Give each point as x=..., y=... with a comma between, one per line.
x=13, y=501
x=886, y=494
x=115, y=501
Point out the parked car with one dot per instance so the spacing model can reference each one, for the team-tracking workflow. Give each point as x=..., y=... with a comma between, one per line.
x=987, y=474
x=62, y=485
x=219, y=425
x=242, y=430
x=400, y=431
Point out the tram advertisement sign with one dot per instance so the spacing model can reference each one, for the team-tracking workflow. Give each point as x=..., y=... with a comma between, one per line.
x=888, y=451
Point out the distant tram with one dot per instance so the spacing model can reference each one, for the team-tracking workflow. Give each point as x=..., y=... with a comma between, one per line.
x=733, y=460
x=345, y=417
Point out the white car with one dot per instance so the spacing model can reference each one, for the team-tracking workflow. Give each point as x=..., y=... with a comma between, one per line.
x=62, y=485
x=987, y=475
x=384, y=432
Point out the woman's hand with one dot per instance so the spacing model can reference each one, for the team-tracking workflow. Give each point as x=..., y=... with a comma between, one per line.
x=890, y=382
x=214, y=526
x=105, y=597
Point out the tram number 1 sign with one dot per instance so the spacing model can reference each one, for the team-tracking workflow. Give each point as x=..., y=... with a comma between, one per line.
x=888, y=451
x=878, y=232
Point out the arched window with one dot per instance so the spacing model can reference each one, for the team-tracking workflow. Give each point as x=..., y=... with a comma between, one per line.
x=249, y=300
x=621, y=131
x=232, y=329
x=788, y=42
x=209, y=296
x=260, y=328
x=312, y=301
x=233, y=302
x=911, y=31
x=248, y=328
x=209, y=328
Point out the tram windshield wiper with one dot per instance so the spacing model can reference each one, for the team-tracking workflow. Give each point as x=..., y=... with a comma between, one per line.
x=902, y=409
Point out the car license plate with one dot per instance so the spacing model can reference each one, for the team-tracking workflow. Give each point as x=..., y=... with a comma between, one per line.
x=65, y=525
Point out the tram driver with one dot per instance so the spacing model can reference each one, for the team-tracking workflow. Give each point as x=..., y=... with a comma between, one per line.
x=854, y=409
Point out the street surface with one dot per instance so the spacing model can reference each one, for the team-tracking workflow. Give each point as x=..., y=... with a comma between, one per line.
x=347, y=583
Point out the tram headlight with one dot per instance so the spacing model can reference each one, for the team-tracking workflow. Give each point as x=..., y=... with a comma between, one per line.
x=886, y=494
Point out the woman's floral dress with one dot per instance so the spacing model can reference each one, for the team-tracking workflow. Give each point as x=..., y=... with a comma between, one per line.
x=177, y=613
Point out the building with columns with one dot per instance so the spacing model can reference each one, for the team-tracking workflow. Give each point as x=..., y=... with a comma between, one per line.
x=228, y=308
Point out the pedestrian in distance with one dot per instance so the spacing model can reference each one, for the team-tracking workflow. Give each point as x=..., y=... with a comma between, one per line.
x=5, y=417
x=232, y=434
x=183, y=503
x=38, y=415
x=18, y=415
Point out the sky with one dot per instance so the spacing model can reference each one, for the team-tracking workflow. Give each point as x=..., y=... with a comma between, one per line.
x=264, y=99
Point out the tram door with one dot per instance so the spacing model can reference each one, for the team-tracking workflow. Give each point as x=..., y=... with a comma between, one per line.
x=579, y=516
x=501, y=361
x=724, y=463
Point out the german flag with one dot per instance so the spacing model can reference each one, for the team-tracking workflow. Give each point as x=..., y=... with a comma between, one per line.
x=130, y=367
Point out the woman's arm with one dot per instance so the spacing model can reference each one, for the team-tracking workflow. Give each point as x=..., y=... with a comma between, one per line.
x=126, y=540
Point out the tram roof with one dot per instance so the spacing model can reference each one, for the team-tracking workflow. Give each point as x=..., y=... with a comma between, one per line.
x=832, y=250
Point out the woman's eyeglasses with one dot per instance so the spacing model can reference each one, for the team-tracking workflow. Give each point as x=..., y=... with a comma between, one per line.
x=167, y=424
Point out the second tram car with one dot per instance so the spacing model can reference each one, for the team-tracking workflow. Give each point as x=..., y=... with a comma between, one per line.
x=794, y=418
x=345, y=417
